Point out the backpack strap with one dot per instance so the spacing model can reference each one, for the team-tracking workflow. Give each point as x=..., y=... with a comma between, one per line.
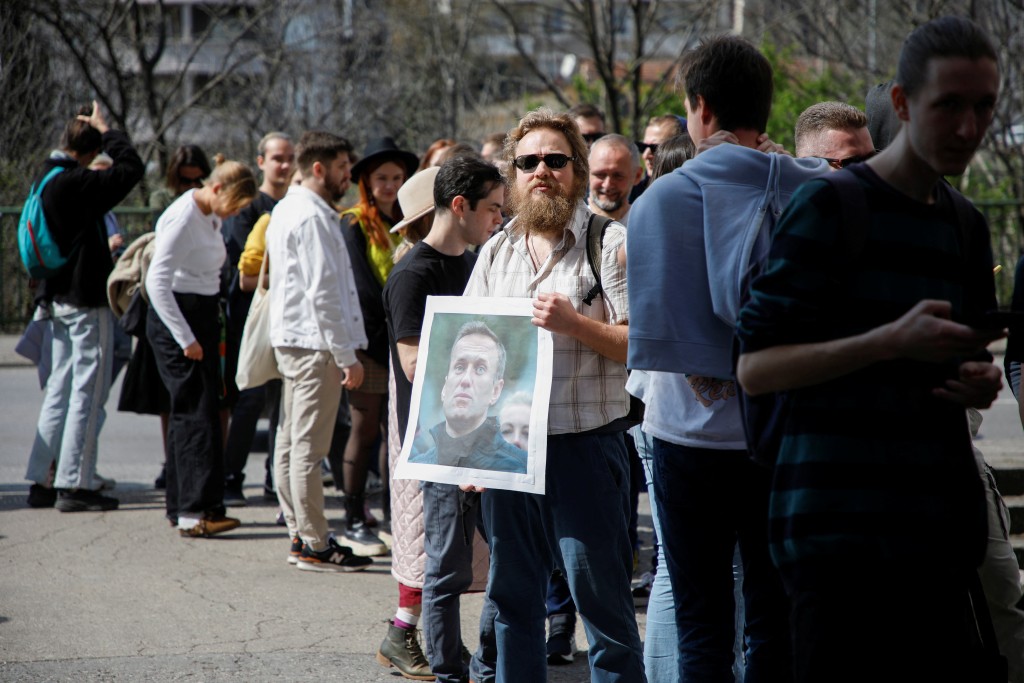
x=595, y=243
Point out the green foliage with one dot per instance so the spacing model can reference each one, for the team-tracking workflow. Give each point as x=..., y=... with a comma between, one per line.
x=798, y=85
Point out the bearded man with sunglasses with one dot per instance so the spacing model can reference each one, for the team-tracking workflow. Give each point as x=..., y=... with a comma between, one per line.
x=580, y=524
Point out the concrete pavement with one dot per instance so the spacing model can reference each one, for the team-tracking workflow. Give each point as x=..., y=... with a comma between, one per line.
x=119, y=596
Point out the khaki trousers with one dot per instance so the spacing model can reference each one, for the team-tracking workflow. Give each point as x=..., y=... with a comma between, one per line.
x=310, y=395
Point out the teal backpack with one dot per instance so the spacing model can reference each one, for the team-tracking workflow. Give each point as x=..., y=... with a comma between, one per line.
x=38, y=248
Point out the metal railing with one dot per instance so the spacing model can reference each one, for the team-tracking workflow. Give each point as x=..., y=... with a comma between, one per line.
x=16, y=292
x=1005, y=219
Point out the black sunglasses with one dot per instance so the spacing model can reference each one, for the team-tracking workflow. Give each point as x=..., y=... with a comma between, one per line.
x=849, y=161
x=190, y=182
x=591, y=138
x=643, y=147
x=529, y=162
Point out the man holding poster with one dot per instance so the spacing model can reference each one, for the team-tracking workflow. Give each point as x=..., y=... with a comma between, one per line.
x=580, y=523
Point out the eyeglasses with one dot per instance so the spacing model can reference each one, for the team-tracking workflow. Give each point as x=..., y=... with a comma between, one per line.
x=591, y=138
x=644, y=146
x=528, y=162
x=849, y=161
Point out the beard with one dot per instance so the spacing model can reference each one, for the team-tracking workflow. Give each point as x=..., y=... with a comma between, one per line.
x=606, y=204
x=542, y=214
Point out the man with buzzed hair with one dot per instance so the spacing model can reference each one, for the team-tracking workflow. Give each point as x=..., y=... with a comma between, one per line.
x=834, y=131
x=276, y=160
x=615, y=167
x=877, y=355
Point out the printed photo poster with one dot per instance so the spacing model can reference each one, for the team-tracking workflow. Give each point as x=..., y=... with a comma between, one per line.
x=479, y=409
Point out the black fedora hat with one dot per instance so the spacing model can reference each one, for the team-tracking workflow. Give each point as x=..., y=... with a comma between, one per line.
x=385, y=149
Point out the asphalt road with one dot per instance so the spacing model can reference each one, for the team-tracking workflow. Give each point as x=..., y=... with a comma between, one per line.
x=119, y=596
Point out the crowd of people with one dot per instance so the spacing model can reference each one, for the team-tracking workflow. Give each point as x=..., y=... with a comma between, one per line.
x=784, y=351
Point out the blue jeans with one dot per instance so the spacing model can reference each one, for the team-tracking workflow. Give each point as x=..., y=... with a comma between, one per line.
x=708, y=501
x=449, y=521
x=661, y=643
x=579, y=527
x=73, y=409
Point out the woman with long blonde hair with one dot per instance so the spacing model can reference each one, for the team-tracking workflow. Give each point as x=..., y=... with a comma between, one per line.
x=183, y=327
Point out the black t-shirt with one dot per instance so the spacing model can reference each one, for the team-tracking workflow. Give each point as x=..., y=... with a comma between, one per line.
x=423, y=272
x=235, y=231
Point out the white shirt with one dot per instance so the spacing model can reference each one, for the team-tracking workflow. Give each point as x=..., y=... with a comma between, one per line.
x=187, y=259
x=313, y=299
x=687, y=410
x=588, y=390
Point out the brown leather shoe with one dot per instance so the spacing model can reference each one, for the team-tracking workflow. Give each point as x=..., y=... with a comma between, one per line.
x=209, y=527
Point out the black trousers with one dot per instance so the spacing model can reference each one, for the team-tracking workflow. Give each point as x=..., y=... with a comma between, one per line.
x=195, y=460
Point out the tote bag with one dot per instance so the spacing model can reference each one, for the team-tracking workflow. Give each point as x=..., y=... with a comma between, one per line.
x=256, y=362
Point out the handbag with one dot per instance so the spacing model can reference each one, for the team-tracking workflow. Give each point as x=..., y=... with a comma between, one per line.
x=256, y=362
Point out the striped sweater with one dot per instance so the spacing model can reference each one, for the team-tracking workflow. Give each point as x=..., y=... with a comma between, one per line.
x=873, y=469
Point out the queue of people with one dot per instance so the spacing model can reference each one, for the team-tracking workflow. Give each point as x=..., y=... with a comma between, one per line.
x=731, y=278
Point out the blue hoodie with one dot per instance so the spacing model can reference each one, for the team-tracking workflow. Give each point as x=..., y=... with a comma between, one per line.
x=692, y=237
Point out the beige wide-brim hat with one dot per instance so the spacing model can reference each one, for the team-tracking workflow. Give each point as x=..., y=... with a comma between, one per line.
x=416, y=196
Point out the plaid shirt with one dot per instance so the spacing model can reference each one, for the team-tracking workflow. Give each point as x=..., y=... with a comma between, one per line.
x=587, y=389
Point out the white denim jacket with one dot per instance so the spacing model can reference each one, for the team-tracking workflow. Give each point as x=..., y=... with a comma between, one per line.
x=313, y=300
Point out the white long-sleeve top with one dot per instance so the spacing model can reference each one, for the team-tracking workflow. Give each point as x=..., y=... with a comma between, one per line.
x=188, y=256
x=313, y=299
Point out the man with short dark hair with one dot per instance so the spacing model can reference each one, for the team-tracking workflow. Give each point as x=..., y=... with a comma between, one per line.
x=74, y=202
x=711, y=496
x=834, y=131
x=878, y=348
x=659, y=129
x=468, y=194
x=315, y=328
x=590, y=120
x=583, y=516
x=276, y=160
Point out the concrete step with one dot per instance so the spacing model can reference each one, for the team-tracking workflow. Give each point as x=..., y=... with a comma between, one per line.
x=1015, y=506
x=1010, y=480
x=1017, y=541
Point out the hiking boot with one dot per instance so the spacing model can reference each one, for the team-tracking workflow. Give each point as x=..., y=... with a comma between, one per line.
x=83, y=500
x=401, y=649
x=333, y=558
x=363, y=541
x=561, y=643
x=296, y=550
x=208, y=527
x=40, y=496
